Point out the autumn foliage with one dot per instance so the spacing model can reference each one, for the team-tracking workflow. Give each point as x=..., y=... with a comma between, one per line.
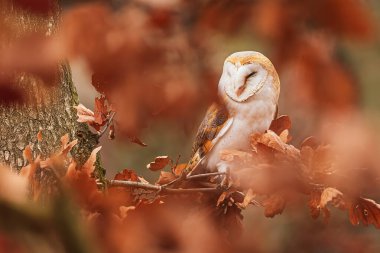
x=161, y=60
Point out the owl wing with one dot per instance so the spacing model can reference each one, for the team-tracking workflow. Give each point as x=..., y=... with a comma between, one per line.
x=213, y=127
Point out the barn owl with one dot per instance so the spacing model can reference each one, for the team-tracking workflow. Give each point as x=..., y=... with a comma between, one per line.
x=249, y=89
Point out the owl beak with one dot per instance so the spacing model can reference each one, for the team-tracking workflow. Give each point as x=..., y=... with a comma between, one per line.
x=240, y=90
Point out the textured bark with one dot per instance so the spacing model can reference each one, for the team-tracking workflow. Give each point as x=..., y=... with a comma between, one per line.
x=49, y=110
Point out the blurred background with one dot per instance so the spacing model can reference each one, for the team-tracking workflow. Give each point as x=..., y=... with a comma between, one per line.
x=327, y=54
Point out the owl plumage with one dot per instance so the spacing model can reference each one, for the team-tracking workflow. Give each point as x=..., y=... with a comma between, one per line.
x=249, y=89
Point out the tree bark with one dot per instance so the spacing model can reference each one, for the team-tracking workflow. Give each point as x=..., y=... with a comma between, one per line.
x=49, y=110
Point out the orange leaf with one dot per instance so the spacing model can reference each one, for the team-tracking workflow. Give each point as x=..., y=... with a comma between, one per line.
x=221, y=198
x=365, y=211
x=89, y=165
x=165, y=177
x=331, y=194
x=39, y=136
x=274, y=205
x=230, y=155
x=280, y=124
x=310, y=142
x=179, y=169
x=84, y=114
x=136, y=140
x=126, y=174
x=249, y=196
x=159, y=163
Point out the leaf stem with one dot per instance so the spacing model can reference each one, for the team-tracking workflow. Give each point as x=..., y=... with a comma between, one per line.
x=109, y=121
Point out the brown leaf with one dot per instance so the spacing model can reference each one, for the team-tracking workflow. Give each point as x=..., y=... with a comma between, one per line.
x=221, y=198
x=111, y=133
x=136, y=140
x=39, y=136
x=314, y=203
x=165, y=177
x=273, y=141
x=331, y=194
x=280, y=124
x=249, y=196
x=319, y=199
x=84, y=114
x=310, y=142
x=230, y=155
x=71, y=172
x=27, y=153
x=101, y=111
x=89, y=167
x=29, y=170
x=284, y=136
x=274, y=205
x=126, y=174
x=365, y=211
x=159, y=163
x=124, y=211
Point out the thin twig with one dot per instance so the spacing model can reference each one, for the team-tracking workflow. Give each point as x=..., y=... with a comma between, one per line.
x=109, y=121
x=205, y=175
x=159, y=188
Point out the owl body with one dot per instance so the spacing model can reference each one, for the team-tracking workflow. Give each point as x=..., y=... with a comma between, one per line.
x=249, y=90
x=249, y=117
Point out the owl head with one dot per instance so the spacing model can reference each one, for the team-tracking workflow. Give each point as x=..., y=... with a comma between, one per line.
x=245, y=74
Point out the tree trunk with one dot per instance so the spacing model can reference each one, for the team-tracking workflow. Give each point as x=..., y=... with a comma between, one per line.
x=49, y=110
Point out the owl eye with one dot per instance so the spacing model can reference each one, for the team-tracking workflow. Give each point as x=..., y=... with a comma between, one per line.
x=251, y=75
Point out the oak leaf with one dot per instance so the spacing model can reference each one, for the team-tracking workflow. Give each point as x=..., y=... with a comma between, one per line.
x=280, y=124
x=127, y=174
x=84, y=114
x=89, y=166
x=159, y=163
x=365, y=211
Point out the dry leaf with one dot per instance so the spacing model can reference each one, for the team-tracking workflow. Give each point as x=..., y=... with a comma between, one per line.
x=365, y=211
x=165, y=177
x=249, y=196
x=274, y=205
x=331, y=194
x=84, y=114
x=89, y=166
x=39, y=136
x=221, y=198
x=280, y=124
x=127, y=175
x=159, y=163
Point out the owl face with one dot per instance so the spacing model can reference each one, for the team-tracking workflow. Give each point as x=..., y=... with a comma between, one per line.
x=245, y=74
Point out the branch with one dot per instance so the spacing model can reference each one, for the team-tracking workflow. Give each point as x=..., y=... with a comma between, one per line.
x=159, y=188
x=184, y=178
x=205, y=175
